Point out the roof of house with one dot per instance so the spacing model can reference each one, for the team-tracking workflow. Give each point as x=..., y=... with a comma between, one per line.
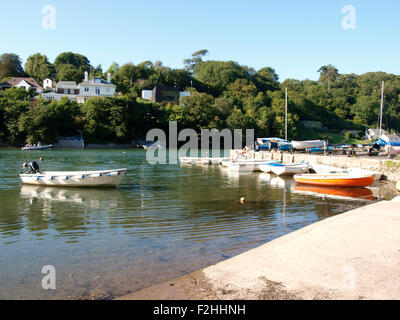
x=95, y=81
x=67, y=84
x=16, y=80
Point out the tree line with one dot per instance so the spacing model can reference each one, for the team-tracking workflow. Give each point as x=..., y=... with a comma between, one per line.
x=224, y=94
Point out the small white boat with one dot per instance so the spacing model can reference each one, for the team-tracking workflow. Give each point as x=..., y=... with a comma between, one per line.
x=289, y=169
x=302, y=145
x=152, y=146
x=242, y=167
x=50, y=146
x=102, y=178
x=256, y=163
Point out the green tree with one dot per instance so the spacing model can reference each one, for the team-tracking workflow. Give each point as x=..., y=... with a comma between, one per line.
x=10, y=66
x=197, y=57
x=329, y=74
x=39, y=67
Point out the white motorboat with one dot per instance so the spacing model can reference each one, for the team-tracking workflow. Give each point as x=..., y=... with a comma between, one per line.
x=152, y=146
x=302, y=145
x=101, y=178
x=27, y=148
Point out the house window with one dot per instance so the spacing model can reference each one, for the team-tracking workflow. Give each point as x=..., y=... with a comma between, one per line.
x=97, y=91
x=86, y=89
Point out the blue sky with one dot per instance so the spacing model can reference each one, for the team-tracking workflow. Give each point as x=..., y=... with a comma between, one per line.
x=293, y=37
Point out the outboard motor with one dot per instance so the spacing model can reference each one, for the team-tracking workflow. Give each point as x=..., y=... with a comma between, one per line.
x=34, y=167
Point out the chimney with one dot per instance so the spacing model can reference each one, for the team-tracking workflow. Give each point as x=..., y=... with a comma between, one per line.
x=86, y=76
x=109, y=77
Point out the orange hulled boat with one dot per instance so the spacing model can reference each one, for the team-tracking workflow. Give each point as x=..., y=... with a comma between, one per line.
x=336, y=180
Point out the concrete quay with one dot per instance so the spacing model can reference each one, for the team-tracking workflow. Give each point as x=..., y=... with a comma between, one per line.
x=352, y=256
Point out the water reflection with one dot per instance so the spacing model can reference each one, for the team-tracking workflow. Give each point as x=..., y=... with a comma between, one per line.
x=92, y=198
x=357, y=193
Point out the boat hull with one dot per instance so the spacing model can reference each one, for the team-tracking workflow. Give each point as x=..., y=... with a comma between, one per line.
x=289, y=170
x=302, y=145
x=37, y=148
x=335, y=180
x=105, y=179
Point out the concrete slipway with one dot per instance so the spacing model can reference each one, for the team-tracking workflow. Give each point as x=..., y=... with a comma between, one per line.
x=354, y=255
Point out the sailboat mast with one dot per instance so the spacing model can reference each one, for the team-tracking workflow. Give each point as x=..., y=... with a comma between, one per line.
x=380, y=125
x=286, y=111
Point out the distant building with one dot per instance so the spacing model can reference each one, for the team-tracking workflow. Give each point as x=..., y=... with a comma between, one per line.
x=164, y=94
x=389, y=138
x=373, y=134
x=95, y=87
x=20, y=82
x=63, y=89
x=49, y=84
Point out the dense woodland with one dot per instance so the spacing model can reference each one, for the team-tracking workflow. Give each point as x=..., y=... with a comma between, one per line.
x=225, y=94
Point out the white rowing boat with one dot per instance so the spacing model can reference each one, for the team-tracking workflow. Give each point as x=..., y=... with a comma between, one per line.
x=247, y=165
x=289, y=169
x=302, y=145
x=103, y=178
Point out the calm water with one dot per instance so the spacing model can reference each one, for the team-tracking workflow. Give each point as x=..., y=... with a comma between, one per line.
x=162, y=222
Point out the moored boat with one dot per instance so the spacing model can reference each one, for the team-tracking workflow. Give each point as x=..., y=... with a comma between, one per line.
x=324, y=169
x=336, y=179
x=289, y=169
x=28, y=148
x=101, y=178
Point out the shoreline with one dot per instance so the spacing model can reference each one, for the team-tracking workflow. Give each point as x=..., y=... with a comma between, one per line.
x=336, y=258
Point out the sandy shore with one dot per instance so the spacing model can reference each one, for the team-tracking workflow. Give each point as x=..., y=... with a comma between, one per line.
x=355, y=255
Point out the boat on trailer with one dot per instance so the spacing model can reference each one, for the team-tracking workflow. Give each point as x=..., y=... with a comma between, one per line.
x=100, y=178
x=336, y=179
x=302, y=145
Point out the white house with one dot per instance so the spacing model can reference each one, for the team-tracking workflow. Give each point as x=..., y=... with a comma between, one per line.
x=95, y=87
x=67, y=89
x=48, y=84
x=25, y=83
